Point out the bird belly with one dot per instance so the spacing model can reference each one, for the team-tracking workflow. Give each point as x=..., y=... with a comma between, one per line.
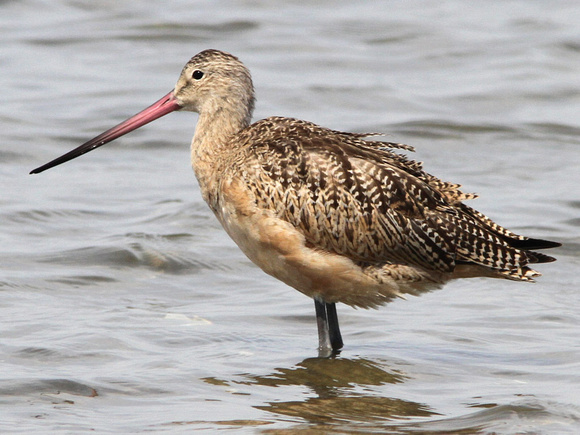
x=281, y=250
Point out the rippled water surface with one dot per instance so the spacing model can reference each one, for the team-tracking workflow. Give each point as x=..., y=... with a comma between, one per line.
x=125, y=308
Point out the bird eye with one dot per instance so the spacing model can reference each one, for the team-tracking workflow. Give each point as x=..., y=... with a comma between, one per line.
x=197, y=74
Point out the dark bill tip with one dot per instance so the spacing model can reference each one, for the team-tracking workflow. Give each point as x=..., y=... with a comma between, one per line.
x=160, y=108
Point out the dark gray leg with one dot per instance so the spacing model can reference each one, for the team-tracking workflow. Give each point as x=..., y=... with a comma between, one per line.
x=329, y=338
x=322, y=322
x=333, y=328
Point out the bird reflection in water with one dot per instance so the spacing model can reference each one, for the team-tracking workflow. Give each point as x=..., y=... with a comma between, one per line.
x=342, y=393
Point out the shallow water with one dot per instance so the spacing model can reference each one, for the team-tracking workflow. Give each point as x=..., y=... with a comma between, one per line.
x=124, y=307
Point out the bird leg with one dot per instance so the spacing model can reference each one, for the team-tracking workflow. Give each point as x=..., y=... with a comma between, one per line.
x=329, y=338
x=333, y=328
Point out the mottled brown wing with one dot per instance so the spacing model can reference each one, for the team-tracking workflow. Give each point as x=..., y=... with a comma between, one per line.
x=346, y=199
x=359, y=199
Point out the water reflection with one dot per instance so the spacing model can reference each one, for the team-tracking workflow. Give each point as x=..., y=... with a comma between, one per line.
x=329, y=376
x=340, y=391
x=356, y=410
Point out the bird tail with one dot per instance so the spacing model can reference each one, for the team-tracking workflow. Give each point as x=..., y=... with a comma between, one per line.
x=498, y=249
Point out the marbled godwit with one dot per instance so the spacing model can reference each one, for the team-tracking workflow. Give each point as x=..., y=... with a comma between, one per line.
x=336, y=216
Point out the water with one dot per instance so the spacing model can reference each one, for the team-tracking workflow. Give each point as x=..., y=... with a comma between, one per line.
x=125, y=308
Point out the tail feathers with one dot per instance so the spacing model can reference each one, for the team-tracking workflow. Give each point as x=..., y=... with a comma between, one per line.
x=513, y=263
x=538, y=257
x=497, y=249
x=512, y=239
x=526, y=244
x=520, y=274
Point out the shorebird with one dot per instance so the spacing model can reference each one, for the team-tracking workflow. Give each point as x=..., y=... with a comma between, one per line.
x=335, y=215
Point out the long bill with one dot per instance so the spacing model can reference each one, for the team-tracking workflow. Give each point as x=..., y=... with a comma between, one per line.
x=160, y=108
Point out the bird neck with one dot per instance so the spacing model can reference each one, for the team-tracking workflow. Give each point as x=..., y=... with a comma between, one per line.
x=212, y=142
x=218, y=122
